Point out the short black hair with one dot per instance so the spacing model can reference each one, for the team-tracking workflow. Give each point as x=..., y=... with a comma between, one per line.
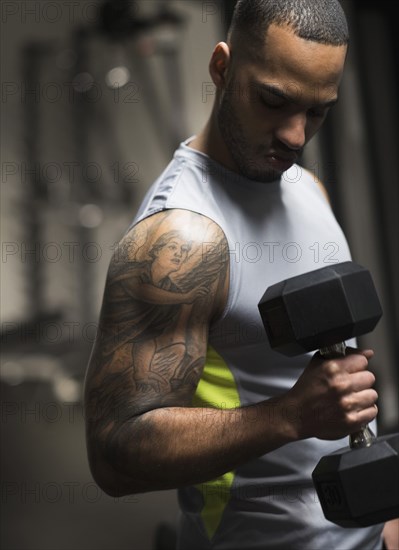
x=322, y=21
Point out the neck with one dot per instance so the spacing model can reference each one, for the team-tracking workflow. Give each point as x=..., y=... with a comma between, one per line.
x=210, y=141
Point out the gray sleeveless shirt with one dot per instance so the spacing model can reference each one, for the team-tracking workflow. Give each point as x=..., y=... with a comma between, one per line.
x=274, y=231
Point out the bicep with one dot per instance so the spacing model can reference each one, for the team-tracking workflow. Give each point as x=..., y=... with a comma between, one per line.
x=150, y=352
x=128, y=378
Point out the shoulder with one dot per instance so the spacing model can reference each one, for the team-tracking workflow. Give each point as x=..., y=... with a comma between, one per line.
x=179, y=245
x=319, y=184
x=155, y=230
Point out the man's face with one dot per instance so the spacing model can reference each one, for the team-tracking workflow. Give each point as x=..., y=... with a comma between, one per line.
x=271, y=108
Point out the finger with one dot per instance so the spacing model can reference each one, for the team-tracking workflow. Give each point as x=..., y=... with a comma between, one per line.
x=368, y=353
x=361, y=418
x=362, y=380
x=367, y=399
x=348, y=364
x=352, y=363
x=360, y=401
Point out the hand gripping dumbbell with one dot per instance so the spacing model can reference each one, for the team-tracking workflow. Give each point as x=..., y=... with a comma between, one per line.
x=357, y=485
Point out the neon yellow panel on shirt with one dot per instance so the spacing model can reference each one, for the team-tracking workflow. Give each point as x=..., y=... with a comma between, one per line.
x=216, y=389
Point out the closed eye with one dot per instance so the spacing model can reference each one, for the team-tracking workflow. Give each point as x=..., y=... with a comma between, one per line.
x=271, y=101
x=318, y=113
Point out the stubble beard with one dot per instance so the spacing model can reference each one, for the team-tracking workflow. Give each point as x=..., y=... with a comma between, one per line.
x=241, y=152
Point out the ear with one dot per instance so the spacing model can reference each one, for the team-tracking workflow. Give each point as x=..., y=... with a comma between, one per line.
x=219, y=64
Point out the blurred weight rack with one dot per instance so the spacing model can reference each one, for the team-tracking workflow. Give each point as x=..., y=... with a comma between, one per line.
x=101, y=109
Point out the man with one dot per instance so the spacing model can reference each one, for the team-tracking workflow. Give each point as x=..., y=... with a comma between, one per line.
x=182, y=390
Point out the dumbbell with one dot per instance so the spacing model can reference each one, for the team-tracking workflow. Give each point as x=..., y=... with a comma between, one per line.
x=357, y=485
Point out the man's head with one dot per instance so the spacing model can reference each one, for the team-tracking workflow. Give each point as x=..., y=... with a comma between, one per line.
x=321, y=21
x=276, y=78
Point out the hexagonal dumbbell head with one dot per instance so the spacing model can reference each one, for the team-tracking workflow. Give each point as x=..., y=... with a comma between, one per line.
x=360, y=487
x=320, y=308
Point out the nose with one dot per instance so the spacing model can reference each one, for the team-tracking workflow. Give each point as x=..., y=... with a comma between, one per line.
x=291, y=132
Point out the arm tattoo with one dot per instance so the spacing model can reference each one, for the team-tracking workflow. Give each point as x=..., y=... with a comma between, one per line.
x=160, y=293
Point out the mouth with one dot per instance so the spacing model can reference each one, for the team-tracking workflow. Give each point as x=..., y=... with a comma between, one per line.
x=281, y=163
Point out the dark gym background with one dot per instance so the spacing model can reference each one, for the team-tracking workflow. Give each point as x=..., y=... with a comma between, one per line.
x=96, y=95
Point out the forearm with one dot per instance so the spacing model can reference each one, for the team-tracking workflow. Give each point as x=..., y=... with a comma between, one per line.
x=165, y=446
x=173, y=447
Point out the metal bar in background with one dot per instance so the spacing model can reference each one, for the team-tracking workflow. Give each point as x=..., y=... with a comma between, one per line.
x=86, y=191
x=35, y=190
